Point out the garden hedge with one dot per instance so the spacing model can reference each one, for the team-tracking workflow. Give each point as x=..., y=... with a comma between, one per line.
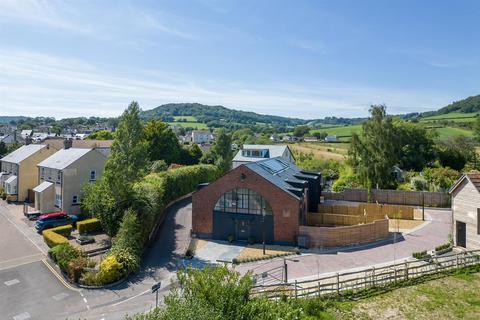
x=56, y=236
x=89, y=225
x=53, y=239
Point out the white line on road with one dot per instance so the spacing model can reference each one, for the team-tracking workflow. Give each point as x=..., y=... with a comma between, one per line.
x=22, y=316
x=138, y=295
x=12, y=282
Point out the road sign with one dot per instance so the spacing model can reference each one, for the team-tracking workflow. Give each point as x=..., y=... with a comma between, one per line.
x=156, y=286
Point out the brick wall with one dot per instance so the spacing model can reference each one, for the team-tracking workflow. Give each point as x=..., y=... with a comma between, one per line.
x=285, y=208
x=320, y=237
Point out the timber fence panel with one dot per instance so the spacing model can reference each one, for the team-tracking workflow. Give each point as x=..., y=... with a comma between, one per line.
x=413, y=198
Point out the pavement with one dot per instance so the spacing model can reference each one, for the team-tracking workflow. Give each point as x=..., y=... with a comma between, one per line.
x=218, y=251
x=397, y=249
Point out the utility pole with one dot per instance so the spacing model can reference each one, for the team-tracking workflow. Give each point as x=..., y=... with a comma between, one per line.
x=423, y=205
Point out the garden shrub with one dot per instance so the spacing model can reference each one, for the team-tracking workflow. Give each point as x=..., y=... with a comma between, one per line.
x=110, y=270
x=53, y=239
x=62, y=254
x=89, y=225
x=443, y=246
x=75, y=268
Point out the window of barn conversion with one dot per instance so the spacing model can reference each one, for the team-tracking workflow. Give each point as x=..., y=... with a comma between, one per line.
x=243, y=200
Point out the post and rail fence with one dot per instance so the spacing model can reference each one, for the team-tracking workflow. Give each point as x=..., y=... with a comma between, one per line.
x=363, y=279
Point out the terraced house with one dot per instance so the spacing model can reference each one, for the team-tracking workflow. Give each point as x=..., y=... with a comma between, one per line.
x=19, y=170
x=267, y=198
x=62, y=176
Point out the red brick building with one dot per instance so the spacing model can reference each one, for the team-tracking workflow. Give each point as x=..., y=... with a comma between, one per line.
x=266, y=198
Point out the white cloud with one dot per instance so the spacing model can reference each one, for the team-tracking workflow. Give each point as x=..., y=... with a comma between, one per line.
x=51, y=13
x=37, y=84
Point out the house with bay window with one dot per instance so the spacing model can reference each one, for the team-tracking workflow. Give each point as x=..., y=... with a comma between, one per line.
x=19, y=170
x=269, y=197
x=62, y=176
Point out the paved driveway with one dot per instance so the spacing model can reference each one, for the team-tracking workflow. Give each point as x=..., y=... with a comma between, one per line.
x=311, y=265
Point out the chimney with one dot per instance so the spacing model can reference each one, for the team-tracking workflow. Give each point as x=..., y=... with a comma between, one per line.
x=28, y=140
x=67, y=144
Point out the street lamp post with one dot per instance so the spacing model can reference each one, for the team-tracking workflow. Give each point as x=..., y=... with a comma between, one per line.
x=285, y=268
x=263, y=231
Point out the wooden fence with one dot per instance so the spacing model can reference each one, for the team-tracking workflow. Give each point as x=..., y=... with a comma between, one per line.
x=413, y=198
x=373, y=211
x=364, y=279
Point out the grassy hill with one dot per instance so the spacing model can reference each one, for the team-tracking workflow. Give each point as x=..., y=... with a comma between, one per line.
x=213, y=115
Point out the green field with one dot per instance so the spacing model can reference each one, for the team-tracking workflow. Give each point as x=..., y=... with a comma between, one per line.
x=187, y=118
x=452, y=116
x=197, y=125
x=449, y=132
x=342, y=132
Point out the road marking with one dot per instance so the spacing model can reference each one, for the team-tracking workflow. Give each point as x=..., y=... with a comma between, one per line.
x=12, y=282
x=85, y=300
x=59, y=277
x=138, y=295
x=60, y=296
x=22, y=316
x=7, y=264
x=24, y=234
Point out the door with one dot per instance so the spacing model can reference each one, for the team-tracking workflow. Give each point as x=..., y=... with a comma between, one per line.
x=461, y=234
x=243, y=230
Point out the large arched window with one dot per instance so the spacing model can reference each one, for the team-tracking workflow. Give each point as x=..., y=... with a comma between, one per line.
x=243, y=200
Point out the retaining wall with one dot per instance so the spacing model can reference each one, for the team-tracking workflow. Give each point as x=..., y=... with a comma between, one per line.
x=320, y=237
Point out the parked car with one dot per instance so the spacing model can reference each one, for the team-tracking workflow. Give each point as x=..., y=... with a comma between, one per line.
x=52, y=220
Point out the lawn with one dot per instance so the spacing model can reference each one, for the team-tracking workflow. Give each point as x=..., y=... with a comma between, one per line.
x=195, y=125
x=454, y=297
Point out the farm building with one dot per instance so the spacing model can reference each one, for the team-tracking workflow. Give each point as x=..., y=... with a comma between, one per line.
x=466, y=211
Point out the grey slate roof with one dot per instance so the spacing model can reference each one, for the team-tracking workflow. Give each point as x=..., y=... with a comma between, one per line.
x=22, y=153
x=63, y=158
x=275, y=150
x=278, y=171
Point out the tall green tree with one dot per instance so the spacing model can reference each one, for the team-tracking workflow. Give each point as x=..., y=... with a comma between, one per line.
x=162, y=142
x=373, y=153
x=476, y=129
x=3, y=149
x=415, y=148
x=223, y=151
x=128, y=157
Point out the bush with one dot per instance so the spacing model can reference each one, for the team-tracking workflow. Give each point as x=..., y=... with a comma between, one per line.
x=421, y=255
x=110, y=270
x=418, y=184
x=53, y=239
x=443, y=247
x=63, y=253
x=89, y=225
x=75, y=268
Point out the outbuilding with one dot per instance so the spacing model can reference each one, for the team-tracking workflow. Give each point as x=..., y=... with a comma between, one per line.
x=466, y=211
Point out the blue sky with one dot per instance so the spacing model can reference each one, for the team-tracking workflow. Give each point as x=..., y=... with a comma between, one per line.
x=306, y=59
